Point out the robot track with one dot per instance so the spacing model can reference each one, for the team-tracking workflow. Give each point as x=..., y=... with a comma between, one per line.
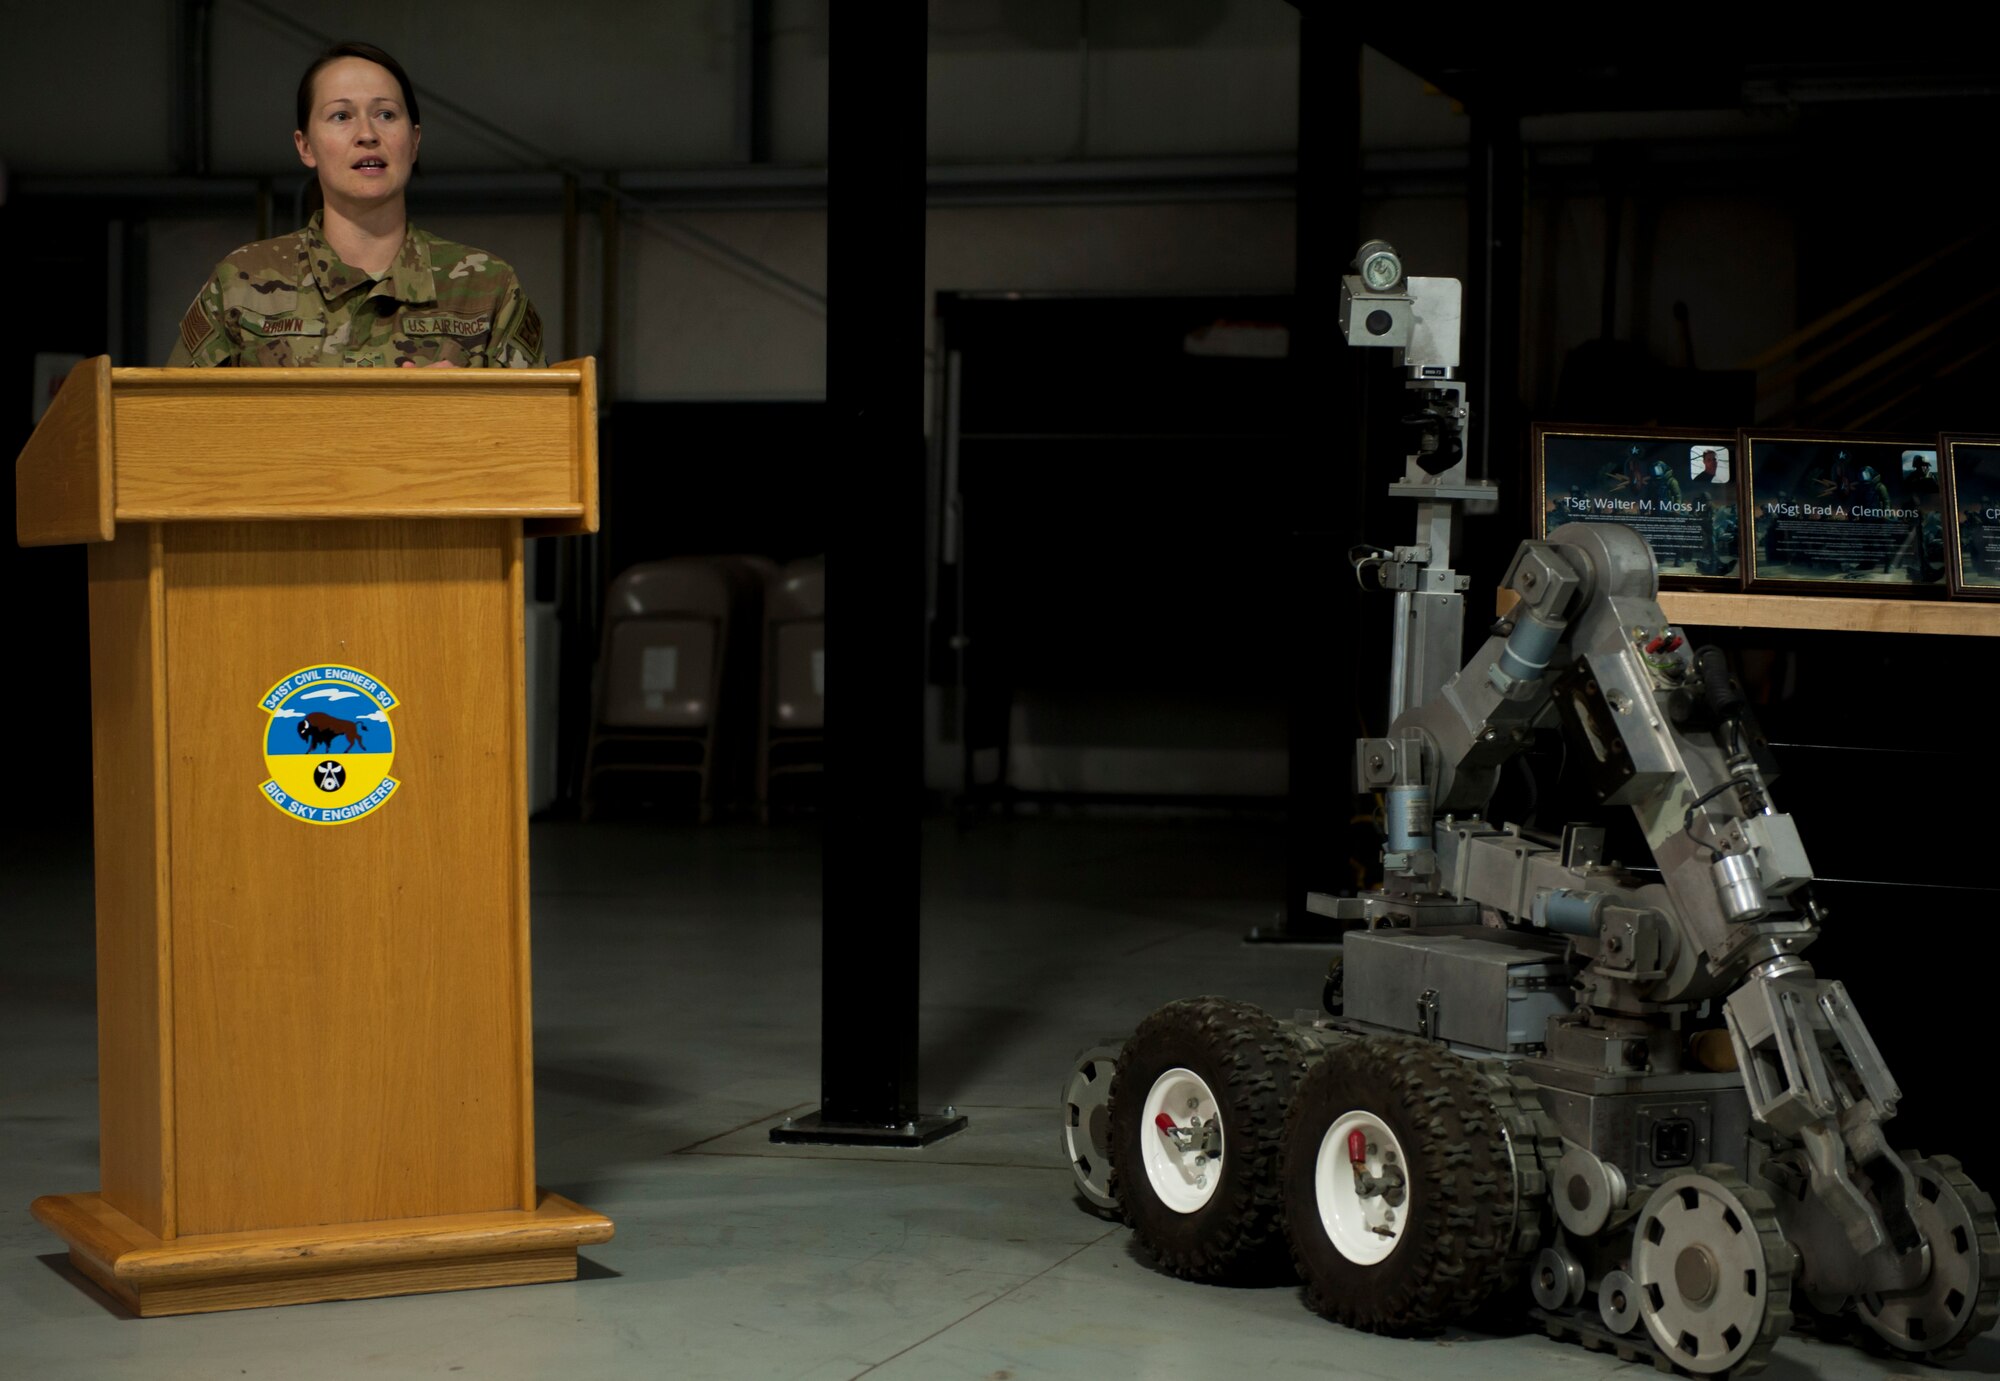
x=1702, y=1229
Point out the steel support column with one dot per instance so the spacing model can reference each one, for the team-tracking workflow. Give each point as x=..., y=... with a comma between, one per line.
x=582, y=579
x=753, y=81
x=873, y=794
x=1495, y=207
x=1332, y=477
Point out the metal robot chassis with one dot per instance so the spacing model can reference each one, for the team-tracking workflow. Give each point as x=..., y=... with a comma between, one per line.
x=1635, y=1098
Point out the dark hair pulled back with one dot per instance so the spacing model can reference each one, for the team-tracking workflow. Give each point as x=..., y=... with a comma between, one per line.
x=368, y=52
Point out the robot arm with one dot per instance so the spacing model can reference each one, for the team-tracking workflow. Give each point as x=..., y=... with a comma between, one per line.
x=1660, y=730
x=1443, y=756
x=1670, y=736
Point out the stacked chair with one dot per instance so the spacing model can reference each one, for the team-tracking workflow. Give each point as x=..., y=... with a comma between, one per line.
x=667, y=629
x=712, y=670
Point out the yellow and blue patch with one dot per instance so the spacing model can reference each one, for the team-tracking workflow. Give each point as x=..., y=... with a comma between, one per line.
x=328, y=744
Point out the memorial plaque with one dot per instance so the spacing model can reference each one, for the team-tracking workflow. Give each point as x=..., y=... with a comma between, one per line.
x=1679, y=490
x=1845, y=514
x=1972, y=512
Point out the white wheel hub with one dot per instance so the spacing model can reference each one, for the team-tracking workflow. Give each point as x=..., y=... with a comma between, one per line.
x=1180, y=1139
x=1086, y=1123
x=1703, y=1282
x=1361, y=1183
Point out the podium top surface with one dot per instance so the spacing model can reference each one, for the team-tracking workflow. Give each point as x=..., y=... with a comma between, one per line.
x=193, y=445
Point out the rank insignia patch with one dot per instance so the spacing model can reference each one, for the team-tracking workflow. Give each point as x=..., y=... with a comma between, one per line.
x=328, y=744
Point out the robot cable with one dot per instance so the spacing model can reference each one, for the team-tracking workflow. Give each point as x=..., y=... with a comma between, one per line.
x=1687, y=820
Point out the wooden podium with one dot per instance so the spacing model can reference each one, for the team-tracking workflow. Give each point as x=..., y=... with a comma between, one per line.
x=313, y=1024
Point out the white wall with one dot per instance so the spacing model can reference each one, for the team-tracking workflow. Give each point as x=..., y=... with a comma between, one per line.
x=600, y=84
x=86, y=88
x=695, y=326
x=799, y=81
x=1023, y=80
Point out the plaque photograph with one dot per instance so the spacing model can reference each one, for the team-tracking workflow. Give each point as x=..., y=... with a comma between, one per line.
x=1849, y=515
x=1972, y=488
x=1678, y=490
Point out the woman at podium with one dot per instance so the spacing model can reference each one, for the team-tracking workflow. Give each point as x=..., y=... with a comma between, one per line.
x=359, y=284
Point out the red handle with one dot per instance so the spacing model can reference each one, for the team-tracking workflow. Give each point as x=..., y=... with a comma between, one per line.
x=1357, y=1146
x=1164, y=1123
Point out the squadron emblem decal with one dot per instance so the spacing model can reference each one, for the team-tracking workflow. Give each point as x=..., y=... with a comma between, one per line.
x=328, y=744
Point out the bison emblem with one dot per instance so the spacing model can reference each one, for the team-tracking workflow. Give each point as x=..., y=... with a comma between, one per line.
x=319, y=730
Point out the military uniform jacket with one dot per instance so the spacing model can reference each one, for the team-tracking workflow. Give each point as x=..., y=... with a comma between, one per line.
x=292, y=301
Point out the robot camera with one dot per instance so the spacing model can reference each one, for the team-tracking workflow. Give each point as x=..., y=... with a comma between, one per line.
x=1375, y=304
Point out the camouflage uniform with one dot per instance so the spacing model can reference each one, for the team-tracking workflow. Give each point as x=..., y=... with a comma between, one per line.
x=292, y=301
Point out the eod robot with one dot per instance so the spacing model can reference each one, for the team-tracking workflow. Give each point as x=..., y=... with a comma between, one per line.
x=1635, y=1096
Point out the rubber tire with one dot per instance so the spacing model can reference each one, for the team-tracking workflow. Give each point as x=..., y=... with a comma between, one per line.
x=1251, y=1065
x=1454, y=1250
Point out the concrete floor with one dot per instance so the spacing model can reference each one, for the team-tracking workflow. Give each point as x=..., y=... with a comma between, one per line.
x=677, y=1018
